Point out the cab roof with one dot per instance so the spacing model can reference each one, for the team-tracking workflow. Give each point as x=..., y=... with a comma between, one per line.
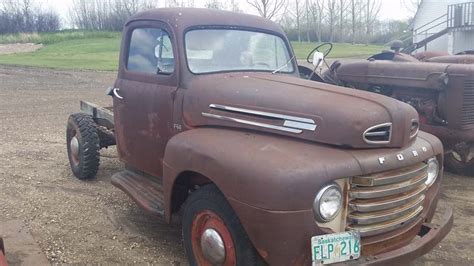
x=182, y=18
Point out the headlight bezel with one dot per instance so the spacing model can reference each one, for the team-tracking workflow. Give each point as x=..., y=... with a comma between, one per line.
x=432, y=162
x=318, y=200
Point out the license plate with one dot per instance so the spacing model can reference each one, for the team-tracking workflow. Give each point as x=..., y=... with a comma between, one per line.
x=337, y=247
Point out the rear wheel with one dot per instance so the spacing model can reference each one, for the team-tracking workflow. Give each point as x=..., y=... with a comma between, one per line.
x=83, y=146
x=212, y=232
x=461, y=159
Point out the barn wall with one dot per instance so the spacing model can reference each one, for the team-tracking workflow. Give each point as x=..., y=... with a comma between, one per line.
x=428, y=11
x=463, y=40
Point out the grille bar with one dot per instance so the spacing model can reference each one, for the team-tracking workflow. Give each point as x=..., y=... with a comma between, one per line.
x=385, y=215
x=384, y=179
x=370, y=230
x=386, y=201
x=387, y=190
x=362, y=205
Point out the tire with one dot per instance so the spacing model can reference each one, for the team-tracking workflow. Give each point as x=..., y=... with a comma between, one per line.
x=207, y=208
x=83, y=152
x=456, y=166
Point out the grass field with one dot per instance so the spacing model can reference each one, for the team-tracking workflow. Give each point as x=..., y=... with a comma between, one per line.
x=99, y=50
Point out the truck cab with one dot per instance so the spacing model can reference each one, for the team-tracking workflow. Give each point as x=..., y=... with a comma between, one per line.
x=212, y=121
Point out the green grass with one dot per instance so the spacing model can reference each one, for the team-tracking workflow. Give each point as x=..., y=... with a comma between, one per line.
x=340, y=50
x=100, y=50
x=88, y=54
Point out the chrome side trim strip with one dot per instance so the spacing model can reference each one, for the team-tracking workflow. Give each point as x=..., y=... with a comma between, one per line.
x=261, y=113
x=299, y=125
x=252, y=123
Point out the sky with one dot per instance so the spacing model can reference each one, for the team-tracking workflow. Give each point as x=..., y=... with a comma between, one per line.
x=390, y=10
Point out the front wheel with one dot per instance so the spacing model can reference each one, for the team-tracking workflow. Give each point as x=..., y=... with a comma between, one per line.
x=212, y=232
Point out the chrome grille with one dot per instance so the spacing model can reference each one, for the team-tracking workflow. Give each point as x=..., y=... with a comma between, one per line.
x=386, y=201
x=468, y=103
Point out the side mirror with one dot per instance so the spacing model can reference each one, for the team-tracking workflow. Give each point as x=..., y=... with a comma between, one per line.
x=318, y=59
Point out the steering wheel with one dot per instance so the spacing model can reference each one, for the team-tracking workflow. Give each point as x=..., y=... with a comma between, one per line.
x=326, y=52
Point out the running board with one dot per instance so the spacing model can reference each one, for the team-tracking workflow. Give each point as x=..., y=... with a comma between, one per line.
x=146, y=191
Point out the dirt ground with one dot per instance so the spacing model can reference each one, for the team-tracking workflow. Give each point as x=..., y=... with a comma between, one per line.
x=48, y=216
x=19, y=48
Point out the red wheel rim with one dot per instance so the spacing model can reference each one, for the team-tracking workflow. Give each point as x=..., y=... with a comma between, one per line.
x=203, y=221
x=74, y=148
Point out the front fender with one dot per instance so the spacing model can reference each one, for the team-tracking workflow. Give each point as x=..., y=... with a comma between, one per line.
x=265, y=171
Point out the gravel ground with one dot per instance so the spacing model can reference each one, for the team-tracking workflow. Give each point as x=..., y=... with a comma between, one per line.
x=46, y=215
x=19, y=48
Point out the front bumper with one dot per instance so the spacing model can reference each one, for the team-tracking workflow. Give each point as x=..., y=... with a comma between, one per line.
x=430, y=235
x=278, y=243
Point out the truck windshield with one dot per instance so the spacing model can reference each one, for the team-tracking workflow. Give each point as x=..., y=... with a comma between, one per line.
x=220, y=50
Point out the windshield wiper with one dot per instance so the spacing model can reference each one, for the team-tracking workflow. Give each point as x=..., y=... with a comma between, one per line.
x=283, y=66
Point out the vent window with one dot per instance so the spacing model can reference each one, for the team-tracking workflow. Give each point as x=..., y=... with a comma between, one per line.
x=380, y=134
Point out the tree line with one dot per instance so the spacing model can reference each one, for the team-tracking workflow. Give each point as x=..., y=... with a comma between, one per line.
x=353, y=21
x=26, y=16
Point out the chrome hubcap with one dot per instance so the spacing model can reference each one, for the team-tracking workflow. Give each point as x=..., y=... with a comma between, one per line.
x=74, y=144
x=212, y=247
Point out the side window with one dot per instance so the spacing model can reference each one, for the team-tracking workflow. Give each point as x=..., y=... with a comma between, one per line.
x=150, y=52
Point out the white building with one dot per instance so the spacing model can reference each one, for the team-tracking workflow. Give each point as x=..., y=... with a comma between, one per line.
x=449, y=22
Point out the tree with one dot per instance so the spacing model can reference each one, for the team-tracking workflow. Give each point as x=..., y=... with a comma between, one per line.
x=372, y=8
x=355, y=9
x=342, y=15
x=215, y=4
x=411, y=5
x=267, y=8
x=316, y=8
x=234, y=6
x=26, y=16
x=105, y=14
x=297, y=14
x=331, y=11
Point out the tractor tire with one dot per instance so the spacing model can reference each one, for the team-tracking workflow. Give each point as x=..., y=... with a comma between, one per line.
x=455, y=165
x=83, y=146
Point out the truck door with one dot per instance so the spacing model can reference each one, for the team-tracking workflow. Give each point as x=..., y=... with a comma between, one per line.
x=143, y=95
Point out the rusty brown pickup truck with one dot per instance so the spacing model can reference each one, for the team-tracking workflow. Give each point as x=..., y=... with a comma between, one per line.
x=213, y=122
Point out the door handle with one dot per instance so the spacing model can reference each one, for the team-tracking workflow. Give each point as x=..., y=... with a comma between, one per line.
x=115, y=91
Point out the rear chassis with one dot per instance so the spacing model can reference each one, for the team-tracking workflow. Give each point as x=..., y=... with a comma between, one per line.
x=104, y=118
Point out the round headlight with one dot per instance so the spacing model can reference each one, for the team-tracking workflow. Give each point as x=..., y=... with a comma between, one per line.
x=433, y=171
x=328, y=203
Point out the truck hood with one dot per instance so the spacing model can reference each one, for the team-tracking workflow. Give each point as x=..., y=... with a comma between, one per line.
x=290, y=106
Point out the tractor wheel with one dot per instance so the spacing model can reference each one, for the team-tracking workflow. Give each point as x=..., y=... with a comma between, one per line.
x=212, y=232
x=456, y=165
x=461, y=160
x=83, y=146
